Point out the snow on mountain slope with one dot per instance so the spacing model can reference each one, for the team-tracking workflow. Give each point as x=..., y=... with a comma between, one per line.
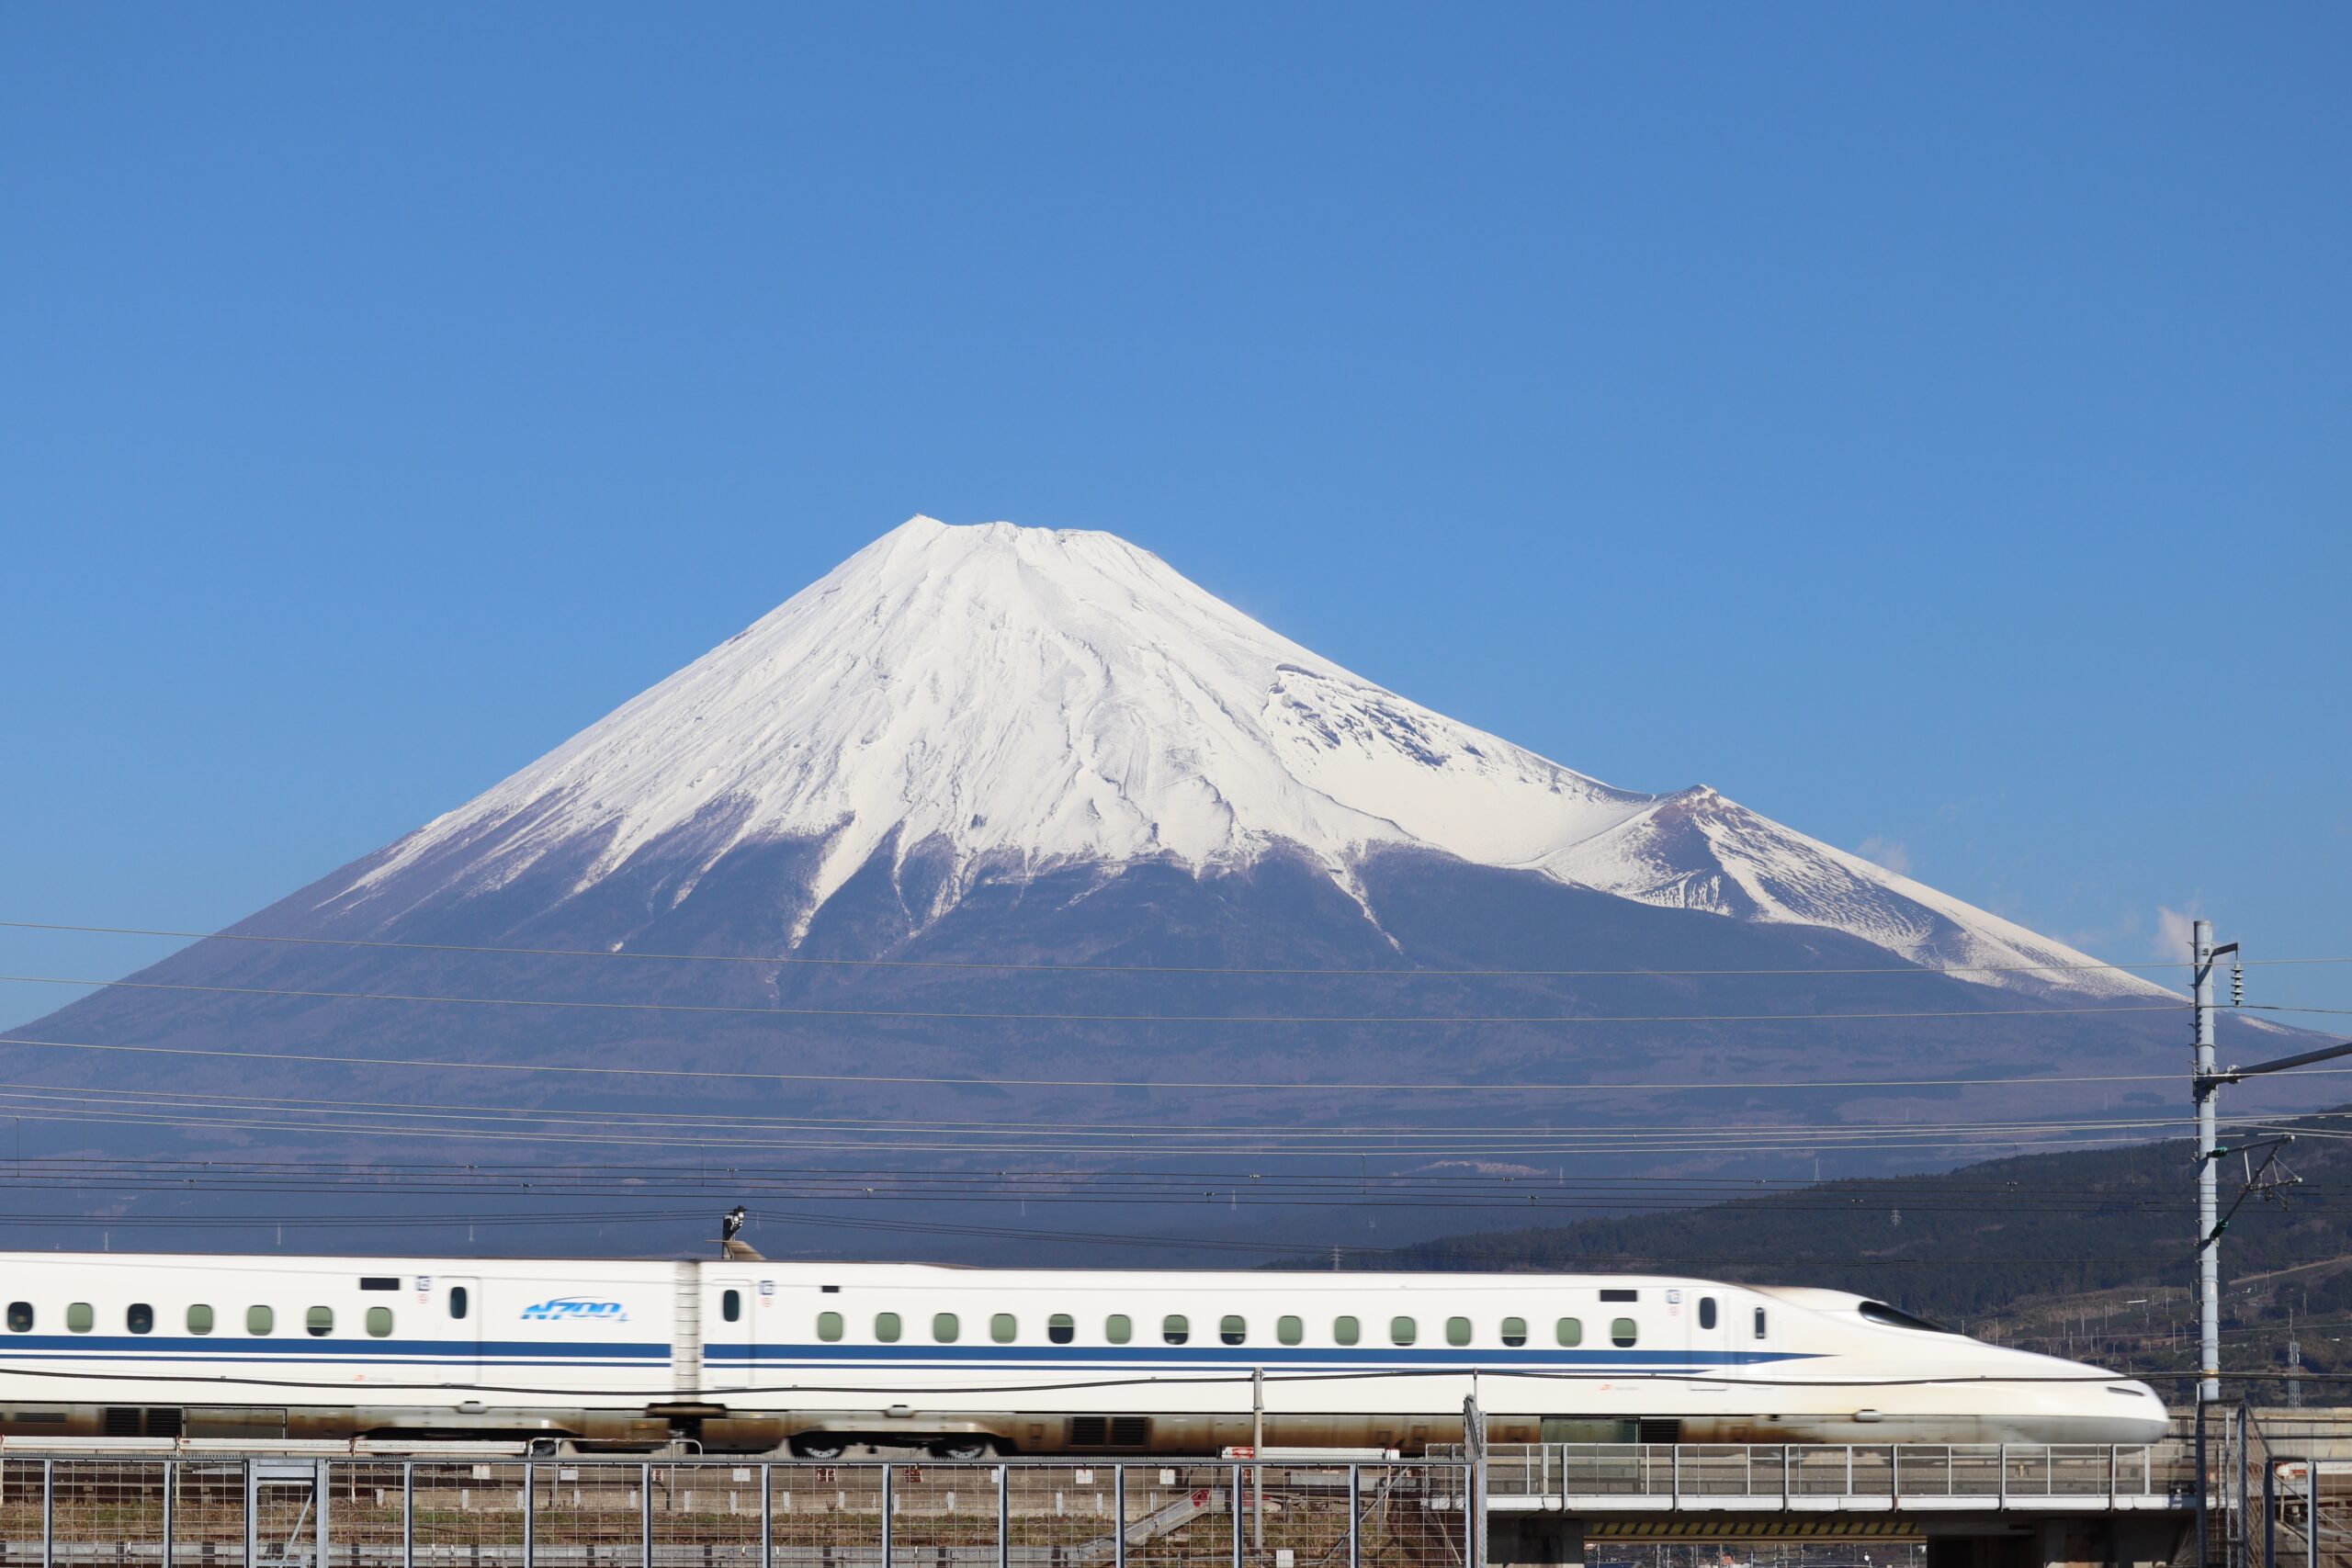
x=1025, y=698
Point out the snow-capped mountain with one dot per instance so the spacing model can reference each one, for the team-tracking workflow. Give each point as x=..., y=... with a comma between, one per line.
x=1001, y=702
x=1004, y=846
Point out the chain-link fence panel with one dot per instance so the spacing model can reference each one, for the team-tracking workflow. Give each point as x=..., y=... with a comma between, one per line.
x=943, y=1515
x=1181, y=1516
x=1063, y=1517
x=107, y=1510
x=826, y=1515
x=365, y=1513
x=208, y=1512
x=588, y=1516
x=470, y=1514
x=706, y=1515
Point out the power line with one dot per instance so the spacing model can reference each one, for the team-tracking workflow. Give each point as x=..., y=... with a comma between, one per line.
x=934, y=1015
x=950, y=964
x=1273, y=1146
x=721, y=1122
x=1262, y=1085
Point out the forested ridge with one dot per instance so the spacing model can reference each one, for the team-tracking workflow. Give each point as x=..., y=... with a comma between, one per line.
x=2089, y=1253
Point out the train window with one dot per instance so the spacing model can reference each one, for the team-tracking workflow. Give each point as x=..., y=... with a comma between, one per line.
x=1118, y=1328
x=1289, y=1330
x=1569, y=1331
x=379, y=1323
x=1175, y=1329
x=1514, y=1332
x=260, y=1320
x=79, y=1318
x=829, y=1328
x=1706, y=1312
x=379, y=1281
x=140, y=1318
x=200, y=1319
x=1879, y=1312
x=1002, y=1328
x=1458, y=1331
x=1061, y=1328
x=945, y=1327
x=318, y=1322
x=461, y=1300
x=1620, y=1296
x=1625, y=1333
x=20, y=1317
x=885, y=1328
x=1346, y=1331
x=1403, y=1331
x=730, y=1305
x=1232, y=1330
x=1759, y=1322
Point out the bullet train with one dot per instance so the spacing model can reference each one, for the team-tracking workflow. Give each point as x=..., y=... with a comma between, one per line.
x=748, y=1356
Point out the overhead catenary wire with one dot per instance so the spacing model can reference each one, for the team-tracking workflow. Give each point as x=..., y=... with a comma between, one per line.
x=817, y=960
x=636, y=1116
x=1274, y=1146
x=1717, y=1085
x=963, y=1015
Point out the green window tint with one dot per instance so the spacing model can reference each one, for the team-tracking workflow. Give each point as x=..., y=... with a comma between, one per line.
x=1458, y=1331
x=1118, y=1328
x=1403, y=1331
x=200, y=1319
x=1569, y=1331
x=1175, y=1329
x=1061, y=1328
x=79, y=1317
x=1002, y=1328
x=1514, y=1332
x=829, y=1328
x=1232, y=1330
x=1624, y=1334
x=1346, y=1331
x=379, y=1323
x=945, y=1327
x=1289, y=1330
x=318, y=1322
x=261, y=1320
x=731, y=1306
x=885, y=1328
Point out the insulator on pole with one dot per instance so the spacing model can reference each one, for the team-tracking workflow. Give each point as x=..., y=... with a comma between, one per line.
x=2237, y=985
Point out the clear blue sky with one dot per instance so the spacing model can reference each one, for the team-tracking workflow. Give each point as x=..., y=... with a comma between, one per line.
x=1929, y=426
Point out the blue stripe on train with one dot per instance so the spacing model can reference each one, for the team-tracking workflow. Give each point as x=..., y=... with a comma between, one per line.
x=199, y=1348
x=1224, y=1356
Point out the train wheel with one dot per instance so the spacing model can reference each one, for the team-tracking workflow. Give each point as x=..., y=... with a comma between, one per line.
x=964, y=1450
x=819, y=1445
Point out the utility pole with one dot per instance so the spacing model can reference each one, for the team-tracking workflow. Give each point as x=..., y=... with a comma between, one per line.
x=2208, y=1204
x=2207, y=1082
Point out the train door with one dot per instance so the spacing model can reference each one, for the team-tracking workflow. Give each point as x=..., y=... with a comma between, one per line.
x=455, y=1301
x=730, y=1331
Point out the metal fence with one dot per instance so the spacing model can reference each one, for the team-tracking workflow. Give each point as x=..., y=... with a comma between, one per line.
x=1789, y=1475
x=366, y=1513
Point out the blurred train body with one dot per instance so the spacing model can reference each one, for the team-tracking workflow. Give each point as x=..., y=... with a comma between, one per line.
x=747, y=1355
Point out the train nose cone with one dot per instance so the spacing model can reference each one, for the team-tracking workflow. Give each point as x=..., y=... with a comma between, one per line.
x=2141, y=1410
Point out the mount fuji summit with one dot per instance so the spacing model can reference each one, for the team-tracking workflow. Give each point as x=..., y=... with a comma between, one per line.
x=995, y=836
x=955, y=706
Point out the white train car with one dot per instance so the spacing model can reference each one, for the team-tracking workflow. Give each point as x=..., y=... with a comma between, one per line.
x=746, y=1356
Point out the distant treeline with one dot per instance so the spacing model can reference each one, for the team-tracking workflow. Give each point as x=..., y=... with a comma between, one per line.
x=1988, y=1241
